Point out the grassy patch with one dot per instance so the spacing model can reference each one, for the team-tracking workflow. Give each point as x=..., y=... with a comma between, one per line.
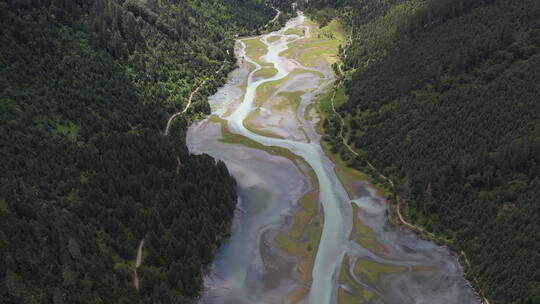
x=290, y=53
x=305, y=246
x=267, y=89
x=66, y=128
x=255, y=48
x=295, y=31
x=309, y=52
x=302, y=240
x=358, y=228
x=309, y=108
x=265, y=73
x=231, y=138
x=309, y=210
x=313, y=27
x=287, y=100
x=334, y=30
x=373, y=271
x=273, y=39
x=363, y=235
x=311, y=57
x=345, y=297
x=341, y=96
x=360, y=294
x=344, y=270
x=280, y=103
x=257, y=128
x=371, y=245
x=424, y=268
x=324, y=105
x=323, y=44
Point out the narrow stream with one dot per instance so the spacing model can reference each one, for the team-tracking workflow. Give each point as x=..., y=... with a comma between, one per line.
x=381, y=264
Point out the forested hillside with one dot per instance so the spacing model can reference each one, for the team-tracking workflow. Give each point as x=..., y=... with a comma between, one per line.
x=86, y=88
x=443, y=97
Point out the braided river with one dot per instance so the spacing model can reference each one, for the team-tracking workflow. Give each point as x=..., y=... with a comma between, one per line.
x=305, y=231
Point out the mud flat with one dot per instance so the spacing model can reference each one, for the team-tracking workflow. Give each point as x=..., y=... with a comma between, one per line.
x=306, y=230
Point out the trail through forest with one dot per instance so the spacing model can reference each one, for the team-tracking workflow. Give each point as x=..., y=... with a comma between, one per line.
x=138, y=263
x=278, y=13
x=190, y=98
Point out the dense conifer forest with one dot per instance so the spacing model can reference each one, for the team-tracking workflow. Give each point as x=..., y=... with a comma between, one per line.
x=443, y=97
x=86, y=88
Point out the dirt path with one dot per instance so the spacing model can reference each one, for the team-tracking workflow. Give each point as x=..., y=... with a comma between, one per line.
x=404, y=222
x=278, y=13
x=398, y=211
x=138, y=263
x=479, y=292
x=171, y=119
x=341, y=124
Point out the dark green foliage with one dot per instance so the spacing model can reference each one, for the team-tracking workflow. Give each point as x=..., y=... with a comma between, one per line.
x=441, y=53
x=436, y=12
x=285, y=6
x=85, y=91
x=361, y=11
x=450, y=111
x=248, y=13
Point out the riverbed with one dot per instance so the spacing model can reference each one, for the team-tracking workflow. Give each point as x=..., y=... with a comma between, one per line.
x=302, y=234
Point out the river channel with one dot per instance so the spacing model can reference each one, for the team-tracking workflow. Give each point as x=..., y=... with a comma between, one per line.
x=302, y=234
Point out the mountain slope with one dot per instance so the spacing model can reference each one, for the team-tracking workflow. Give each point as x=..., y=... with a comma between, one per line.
x=86, y=88
x=444, y=98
